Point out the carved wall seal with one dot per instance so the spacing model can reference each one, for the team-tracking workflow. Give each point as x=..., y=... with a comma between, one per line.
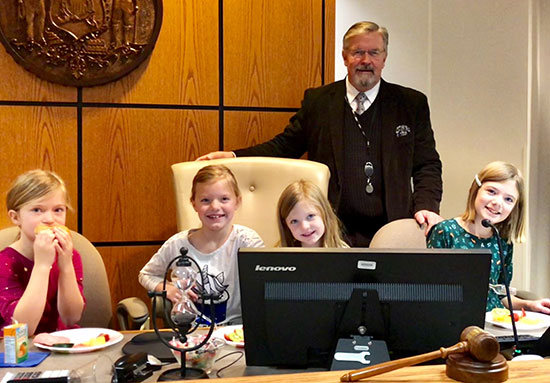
x=80, y=42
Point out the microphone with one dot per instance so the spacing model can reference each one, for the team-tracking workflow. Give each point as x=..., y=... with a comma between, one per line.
x=487, y=223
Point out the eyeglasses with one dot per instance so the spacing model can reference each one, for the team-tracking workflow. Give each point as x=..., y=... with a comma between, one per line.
x=373, y=53
x=369, y=171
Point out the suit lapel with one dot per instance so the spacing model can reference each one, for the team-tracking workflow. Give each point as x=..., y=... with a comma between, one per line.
x=388, y=115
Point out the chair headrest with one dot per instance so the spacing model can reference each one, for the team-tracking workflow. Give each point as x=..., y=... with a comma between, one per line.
x=403, y=233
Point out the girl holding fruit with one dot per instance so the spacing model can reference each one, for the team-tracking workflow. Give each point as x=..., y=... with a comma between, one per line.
x=41, y=273
x=497, y=194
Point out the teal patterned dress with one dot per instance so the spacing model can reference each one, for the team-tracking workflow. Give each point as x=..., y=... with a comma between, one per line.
x=450, y=235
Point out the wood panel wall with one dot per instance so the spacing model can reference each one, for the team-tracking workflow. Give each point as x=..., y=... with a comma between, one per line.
x=224, y=74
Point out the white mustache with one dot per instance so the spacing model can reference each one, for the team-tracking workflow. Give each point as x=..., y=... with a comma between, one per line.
x=367, y=67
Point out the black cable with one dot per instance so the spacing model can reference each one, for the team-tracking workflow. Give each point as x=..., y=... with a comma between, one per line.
x=240, y=353
x=487, y=223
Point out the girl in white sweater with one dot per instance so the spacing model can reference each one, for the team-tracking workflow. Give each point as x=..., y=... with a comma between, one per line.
x=215, y=196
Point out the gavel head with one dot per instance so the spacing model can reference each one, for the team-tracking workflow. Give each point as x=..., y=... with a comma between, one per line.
x=481, y=345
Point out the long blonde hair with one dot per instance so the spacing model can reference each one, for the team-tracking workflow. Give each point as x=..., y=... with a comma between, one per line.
x=513, y=227
x=307, y=191
x=32, y=185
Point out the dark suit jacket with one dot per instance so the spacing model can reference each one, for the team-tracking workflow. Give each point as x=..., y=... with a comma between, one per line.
x=408, y=145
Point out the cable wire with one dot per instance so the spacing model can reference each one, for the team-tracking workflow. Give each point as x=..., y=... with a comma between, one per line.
x=241, y=355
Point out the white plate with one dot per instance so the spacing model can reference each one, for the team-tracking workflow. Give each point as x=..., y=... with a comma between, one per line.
x=81, y=335
x=543, y=323
x=221, y=331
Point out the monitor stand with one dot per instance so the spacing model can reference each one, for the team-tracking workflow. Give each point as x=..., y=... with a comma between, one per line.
x=362, y=321
x=359, y=352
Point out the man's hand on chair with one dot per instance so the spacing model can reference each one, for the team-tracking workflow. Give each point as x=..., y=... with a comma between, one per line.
x=427, y=217
x=216, y=155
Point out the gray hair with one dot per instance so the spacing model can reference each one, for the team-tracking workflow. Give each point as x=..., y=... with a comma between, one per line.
x=365, y=27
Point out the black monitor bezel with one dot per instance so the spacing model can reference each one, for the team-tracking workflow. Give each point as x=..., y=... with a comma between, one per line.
x=267, y=346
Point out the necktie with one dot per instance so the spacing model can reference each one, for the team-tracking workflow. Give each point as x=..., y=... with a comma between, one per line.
x=360, y=99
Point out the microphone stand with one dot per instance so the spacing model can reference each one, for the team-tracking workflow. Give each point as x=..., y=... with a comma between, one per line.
x=487, y=223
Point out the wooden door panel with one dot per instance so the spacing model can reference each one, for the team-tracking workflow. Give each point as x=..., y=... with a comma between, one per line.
x=126, y=176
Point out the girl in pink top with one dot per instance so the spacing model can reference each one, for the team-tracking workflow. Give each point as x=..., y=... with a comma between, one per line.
x=40, y=274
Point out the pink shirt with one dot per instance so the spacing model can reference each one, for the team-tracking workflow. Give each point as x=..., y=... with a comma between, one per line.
x=15, y=272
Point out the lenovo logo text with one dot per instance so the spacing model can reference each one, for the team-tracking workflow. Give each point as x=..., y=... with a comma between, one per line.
x=275, y=268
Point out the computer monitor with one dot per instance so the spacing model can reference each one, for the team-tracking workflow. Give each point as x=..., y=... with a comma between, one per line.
x=293, y=300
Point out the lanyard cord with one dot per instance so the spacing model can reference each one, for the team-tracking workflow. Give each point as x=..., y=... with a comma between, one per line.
x=369, y=167
x=361, y=129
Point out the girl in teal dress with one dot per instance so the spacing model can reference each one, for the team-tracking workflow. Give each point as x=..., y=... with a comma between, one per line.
x=497, y=194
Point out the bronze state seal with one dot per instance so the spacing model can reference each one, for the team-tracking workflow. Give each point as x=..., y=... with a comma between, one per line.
x=80, y=42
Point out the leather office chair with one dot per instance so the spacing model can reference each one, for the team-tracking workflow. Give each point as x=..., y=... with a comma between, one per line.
x=261, y=181
x=403, y=233
x=98, y=311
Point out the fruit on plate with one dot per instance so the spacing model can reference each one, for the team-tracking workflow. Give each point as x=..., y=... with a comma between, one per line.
x=99, y=340
x=530, y=321
x=503, y=315
x=236, y=335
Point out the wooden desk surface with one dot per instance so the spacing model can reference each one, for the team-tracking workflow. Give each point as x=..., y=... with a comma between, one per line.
x=526, y=371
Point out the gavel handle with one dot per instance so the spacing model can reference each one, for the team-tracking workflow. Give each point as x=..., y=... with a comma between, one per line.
x=381, y=368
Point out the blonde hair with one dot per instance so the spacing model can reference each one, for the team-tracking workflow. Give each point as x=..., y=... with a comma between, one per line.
x=32, y=185
x=363, y=27
x=212, y=173
x=307, y=191
x=513, y=227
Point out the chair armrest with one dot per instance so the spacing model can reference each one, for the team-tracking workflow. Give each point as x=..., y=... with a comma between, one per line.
x=132, y=314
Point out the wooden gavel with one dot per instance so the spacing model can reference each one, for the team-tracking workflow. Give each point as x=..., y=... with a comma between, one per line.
x=480, y=344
